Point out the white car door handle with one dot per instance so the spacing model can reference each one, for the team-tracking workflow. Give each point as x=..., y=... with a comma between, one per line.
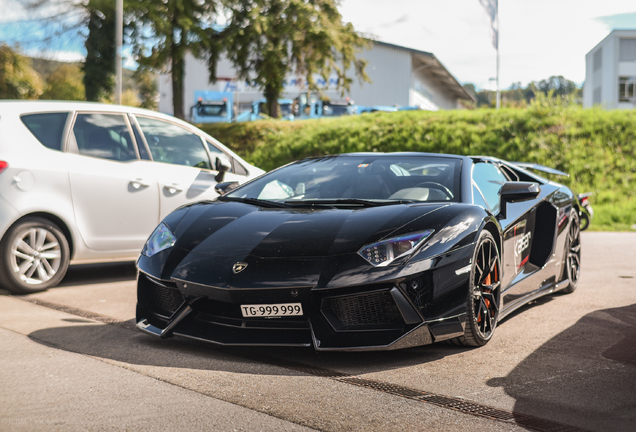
x=137, y=183
x=173, y=188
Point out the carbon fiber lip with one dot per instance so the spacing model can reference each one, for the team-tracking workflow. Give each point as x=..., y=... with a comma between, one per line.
x=456, y=404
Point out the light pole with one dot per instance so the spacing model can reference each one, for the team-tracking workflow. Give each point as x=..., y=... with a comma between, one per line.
x=119, y=29
x=497, y=48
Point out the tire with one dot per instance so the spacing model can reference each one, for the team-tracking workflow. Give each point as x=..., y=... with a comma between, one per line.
x=484, y=293
x=585, y=221
x=34, y=256
x=572, y=260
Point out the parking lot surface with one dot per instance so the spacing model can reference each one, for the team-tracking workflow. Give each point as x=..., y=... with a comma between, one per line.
x=72, y=360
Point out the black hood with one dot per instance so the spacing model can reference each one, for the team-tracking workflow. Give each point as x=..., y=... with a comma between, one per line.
x=233, y=229
x=285, y=247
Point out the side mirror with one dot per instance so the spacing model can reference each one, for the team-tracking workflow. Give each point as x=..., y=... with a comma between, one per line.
x=512, y=192
x=222, y=166
x=223, y=188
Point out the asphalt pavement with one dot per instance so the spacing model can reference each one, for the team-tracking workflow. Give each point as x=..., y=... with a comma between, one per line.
x=72, y=360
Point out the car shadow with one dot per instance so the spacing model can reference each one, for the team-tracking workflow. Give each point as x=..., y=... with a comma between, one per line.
x=532, y=304
x=585, y=376
x=88, y=274
x=122, y=344
x=129, y=345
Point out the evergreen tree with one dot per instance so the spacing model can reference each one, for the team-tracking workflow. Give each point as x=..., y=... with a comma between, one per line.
x=99, y=66
x=163, y=31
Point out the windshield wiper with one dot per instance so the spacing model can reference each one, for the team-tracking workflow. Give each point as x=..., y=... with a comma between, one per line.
x=308, y=204
x=254, y=201
x=349, y=202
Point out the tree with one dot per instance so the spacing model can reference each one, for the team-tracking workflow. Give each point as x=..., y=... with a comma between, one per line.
x=17, y=79
x=267, y=39
x=518, y=96
x=559, y=85
x=146, y=88
x=163, y=31
x=64, y=83
x=99, y=66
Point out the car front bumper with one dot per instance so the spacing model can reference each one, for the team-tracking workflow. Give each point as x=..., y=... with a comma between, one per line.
x=381, y=316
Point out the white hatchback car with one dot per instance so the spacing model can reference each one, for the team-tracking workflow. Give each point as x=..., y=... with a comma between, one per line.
x=85, y=182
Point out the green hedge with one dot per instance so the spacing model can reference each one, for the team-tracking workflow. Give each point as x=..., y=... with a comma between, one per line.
x=596, y=147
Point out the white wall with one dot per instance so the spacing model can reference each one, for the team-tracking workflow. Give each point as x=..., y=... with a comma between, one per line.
x=390, y=72
x=389, y=68
x=607, y=78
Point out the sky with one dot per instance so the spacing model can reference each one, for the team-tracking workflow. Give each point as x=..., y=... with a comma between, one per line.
x=537, y=38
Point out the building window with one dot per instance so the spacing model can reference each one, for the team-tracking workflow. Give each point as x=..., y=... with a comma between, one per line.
x=598, y=59
x=626, y=86
x=627, y=50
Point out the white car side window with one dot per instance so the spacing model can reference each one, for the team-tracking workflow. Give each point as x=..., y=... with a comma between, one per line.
x=105, y=136
x=173, y=144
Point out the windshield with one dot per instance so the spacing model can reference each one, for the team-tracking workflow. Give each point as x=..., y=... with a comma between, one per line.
x=346, y=178
x=334, y=110
x=212, y=110
x=285, y=109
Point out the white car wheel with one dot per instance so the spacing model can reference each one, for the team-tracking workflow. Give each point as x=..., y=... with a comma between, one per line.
x=35, y=256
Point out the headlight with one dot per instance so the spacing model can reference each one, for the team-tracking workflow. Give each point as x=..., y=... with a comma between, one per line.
x=384, y=252
x=160, y=239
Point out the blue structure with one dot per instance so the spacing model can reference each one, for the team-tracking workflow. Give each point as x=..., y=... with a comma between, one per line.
x=286, y=107
x=374, y=108
x=212, y=107
x=311, y=107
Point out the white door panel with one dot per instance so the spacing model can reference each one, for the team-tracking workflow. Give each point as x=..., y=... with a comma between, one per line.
x=179, y=185
x=116, y=204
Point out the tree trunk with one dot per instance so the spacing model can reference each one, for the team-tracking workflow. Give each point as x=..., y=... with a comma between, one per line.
x=271, y=96
x=178, y=75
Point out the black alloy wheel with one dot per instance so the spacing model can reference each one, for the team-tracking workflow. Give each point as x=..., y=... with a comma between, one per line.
x=34, y=256
x=484, y=293
x=572, y=267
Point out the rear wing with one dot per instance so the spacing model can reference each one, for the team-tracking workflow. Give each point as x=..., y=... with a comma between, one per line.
x=541, y=168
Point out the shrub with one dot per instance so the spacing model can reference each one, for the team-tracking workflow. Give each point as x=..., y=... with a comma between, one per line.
x=596, y=147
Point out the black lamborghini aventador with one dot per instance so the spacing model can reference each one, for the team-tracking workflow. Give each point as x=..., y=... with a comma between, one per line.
x=364, y=251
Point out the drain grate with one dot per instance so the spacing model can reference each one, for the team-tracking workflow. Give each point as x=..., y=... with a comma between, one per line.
x=467, y=407
x=386, y=387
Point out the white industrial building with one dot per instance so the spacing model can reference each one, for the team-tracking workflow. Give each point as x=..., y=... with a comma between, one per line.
x=610, y=72
x=400, y=76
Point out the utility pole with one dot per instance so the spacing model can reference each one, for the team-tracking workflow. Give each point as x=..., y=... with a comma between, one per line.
x=119, y=30
x=492, y=9
x=497, y=48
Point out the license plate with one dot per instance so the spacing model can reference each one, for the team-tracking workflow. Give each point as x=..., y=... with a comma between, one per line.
x=271, y=310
